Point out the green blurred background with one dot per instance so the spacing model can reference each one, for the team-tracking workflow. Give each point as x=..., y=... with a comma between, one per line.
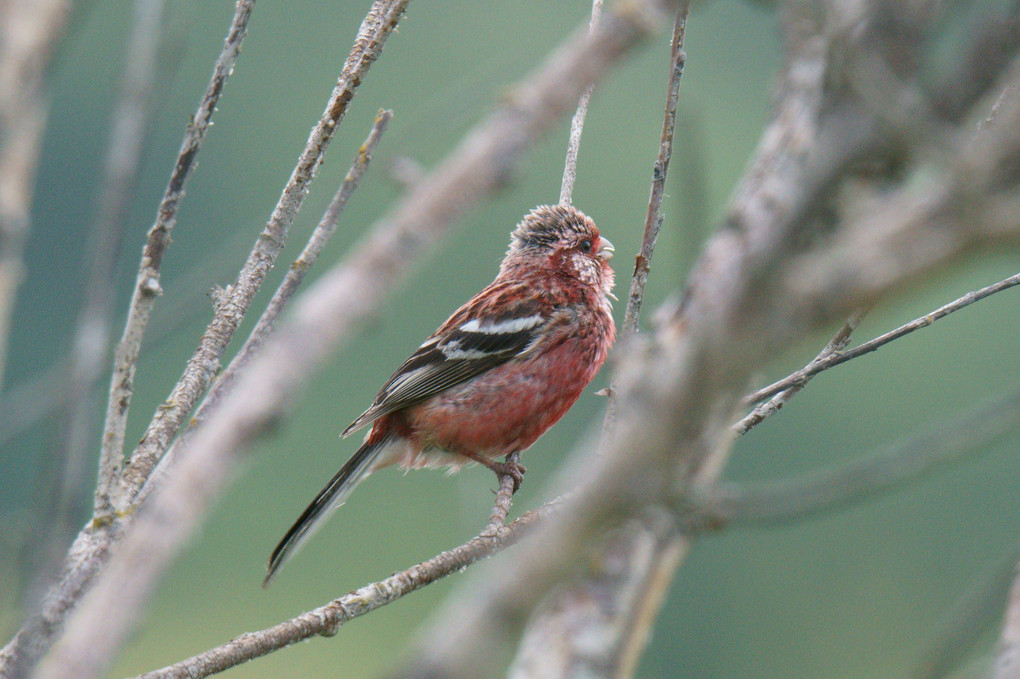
x=854, y=594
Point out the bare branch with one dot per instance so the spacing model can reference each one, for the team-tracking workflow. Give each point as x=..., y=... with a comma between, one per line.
x=763, y=411
x=653, y=215
x=284, y=293
x=820, y=364
x=577, y=125
x=326, y=620
x=147, y=286
x=382, y=18
x=326, y=313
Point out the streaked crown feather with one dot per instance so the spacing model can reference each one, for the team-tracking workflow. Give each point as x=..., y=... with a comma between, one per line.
x=548, y=224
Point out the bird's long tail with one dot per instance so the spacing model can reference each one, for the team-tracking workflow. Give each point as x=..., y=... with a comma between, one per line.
x=328, y=499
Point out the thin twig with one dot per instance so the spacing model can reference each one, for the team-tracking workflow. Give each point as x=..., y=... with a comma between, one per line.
x=763, y=411
x=326, y=620
x=866, y=477
x=327, y=312
x=234, y=301
x=291, y=282
x=147, y=286
x=653, y=214
x=577, y=125
x=813, y=368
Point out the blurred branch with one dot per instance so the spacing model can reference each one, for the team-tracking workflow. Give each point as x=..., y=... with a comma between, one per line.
x=29, y=33
x=324, y=314
x=326, y=620
x=866, y=477
x=405, y=172
x=27, y=403
x=617, y=597
x=791, y=258
x=284, y=293
x=1007, y=661
x=959, y=629
x=577, y=125
x=147, y=286
x=832, y=359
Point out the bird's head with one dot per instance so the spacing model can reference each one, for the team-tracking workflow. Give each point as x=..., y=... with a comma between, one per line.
x=565, y=240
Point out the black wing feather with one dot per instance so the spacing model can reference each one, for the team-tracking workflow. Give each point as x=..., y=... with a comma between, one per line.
x=443, y=363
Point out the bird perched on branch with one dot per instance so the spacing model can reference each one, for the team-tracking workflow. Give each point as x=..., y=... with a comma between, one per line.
x=498, y=373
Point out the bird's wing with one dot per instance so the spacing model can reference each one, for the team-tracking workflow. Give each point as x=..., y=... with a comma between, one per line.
x=472, y=341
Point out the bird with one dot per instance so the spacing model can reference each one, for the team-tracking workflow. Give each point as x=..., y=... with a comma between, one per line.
x=500, y=371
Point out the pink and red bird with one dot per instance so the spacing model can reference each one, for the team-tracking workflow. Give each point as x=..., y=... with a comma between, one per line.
x=498, y=373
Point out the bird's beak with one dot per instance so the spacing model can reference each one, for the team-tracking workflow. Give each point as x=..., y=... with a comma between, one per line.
x=606, y=249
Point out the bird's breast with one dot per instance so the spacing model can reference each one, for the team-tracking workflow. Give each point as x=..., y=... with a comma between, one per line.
x=509, y=407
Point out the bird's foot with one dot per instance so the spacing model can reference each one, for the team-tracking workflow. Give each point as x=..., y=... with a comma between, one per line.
x=514, y=470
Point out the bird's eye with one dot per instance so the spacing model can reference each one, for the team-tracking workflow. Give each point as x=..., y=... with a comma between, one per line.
x=585, y=245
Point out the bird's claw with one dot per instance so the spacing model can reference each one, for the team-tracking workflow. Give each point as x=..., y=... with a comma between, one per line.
x=515, y=470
